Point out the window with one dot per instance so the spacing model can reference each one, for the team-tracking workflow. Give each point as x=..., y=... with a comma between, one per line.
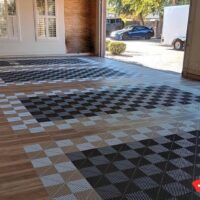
x=8, y=19
x=139, y=28
x=46, y=19
x=118, y=20
x=112, y=21
x=108, y=21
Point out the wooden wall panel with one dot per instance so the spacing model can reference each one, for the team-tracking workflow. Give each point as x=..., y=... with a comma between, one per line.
x=80, y=25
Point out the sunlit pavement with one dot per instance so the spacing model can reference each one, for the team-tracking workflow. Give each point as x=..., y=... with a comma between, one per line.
x=152, y=54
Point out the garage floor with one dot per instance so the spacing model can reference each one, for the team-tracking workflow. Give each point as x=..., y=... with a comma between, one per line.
x=92, y=128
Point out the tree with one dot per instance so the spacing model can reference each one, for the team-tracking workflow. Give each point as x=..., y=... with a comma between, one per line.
x=145, y=7
x=173, y=2
x=141, y=8
x=118, y=7
x=180, y=2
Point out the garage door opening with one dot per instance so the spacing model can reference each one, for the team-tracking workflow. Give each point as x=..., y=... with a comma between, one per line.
x=148, y=34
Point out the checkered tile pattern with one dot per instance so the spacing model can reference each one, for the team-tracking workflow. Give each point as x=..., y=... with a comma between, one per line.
x=21, y=119
x=46, y=108
x=56, y=74
x=43, y=61
x=4, y=63
x=57, y=173
x=68, y=61
x=158, y=168
x=91, y=168
x=133, y=138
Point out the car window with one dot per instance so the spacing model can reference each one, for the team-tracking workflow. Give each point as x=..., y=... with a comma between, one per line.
x=139, y=28
x=118, y=20
x=112, y=21
x=130, y=28
x=108, y=21
x=135, y=29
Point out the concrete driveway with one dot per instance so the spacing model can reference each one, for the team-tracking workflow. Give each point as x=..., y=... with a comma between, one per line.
x=152, y=54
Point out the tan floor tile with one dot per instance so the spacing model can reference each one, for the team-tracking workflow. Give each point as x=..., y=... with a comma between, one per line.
x=36, y=155
x=88, y=195
x=58, y=190
x=99, y=144
x=70, y=149
x=72, y=175
x=59, y=159
x=45, y=171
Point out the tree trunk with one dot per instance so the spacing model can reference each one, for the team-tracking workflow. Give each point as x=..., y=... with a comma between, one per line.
x=160, y=26
x=141, y=19
x=173, y=2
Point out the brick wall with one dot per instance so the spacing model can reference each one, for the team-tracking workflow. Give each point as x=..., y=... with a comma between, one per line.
x=80, y=25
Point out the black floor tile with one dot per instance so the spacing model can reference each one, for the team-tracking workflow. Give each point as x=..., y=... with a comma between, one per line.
x=4, y=63
x=44, y=61
x=150, y=175
x=88, y=104
x=68, y=61
x=58, y=74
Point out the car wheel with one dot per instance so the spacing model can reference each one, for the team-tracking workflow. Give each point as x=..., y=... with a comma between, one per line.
x=178, y=45
x=147, y=36
x=125, y=37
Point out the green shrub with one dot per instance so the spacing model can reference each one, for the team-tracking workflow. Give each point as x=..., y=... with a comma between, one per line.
x=107, y=44
x=117, y=48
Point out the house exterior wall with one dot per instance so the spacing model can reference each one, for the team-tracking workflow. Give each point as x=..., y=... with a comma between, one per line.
x=28, y=44
x=81, y=25
x=191, y=67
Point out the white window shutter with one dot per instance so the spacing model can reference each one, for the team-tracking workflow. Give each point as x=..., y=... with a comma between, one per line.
x=51, y=7
x=8, y=19
x=46, y=19
x=3, y=27
x=40, y=5
x=11, y=6
x=52, y=27
x=3, y=19
x=41, y=27
x=12, y=19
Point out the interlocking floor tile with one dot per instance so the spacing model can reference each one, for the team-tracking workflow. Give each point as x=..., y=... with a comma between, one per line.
x=78, y=186
x=52, y=180
x=4, y=63
x=90, y=104
x=59, y=74
x=109, y=130
x=43, y=61
x=135, y=171
x=68, y=61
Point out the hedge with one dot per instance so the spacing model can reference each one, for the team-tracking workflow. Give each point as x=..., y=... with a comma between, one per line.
x=116, y=48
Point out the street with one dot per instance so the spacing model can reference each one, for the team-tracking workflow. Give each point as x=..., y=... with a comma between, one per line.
x=152, y=54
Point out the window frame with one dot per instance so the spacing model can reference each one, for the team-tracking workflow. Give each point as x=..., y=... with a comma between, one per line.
x=46, y=17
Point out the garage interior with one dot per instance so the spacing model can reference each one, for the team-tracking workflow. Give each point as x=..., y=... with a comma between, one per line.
x=74, y=128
